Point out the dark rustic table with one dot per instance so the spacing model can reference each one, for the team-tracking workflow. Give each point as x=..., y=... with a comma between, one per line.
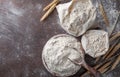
x=22, y=37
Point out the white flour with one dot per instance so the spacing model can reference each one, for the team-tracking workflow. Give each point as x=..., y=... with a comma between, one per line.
x=80, y=19
x=95, y=42
x=56, y=53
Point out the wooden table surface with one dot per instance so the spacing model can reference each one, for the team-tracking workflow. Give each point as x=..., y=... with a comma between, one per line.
x=22, y=37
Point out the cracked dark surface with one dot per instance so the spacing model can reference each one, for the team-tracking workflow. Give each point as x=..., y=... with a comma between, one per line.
x=22, y=38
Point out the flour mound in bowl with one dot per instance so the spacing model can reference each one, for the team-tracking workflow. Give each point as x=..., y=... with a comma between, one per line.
x=80, y=19
x=95, y=42
x=56, y=53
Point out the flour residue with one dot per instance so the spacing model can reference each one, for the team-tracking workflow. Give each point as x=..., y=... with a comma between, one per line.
x=39, y=6
x=15, y=10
